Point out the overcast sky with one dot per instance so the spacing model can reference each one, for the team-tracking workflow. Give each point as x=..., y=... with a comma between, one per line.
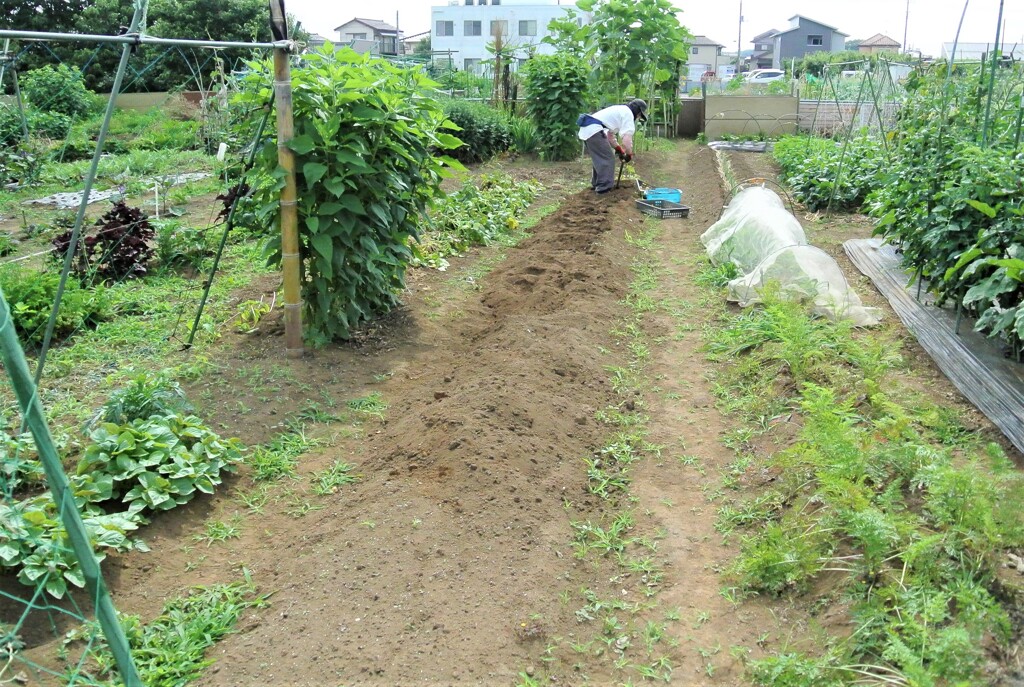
x=932, y=22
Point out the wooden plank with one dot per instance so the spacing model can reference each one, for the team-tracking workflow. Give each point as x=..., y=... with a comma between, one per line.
x=974, y=364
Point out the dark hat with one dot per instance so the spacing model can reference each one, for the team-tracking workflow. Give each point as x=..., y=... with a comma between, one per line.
x=638, y=108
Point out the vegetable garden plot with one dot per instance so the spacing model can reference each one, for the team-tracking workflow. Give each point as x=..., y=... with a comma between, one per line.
x=944, y=186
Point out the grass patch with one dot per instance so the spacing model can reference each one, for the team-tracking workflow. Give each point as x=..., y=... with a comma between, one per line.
x=328, y=480
x=171, y=650
x=279, y=458
x=372, y=404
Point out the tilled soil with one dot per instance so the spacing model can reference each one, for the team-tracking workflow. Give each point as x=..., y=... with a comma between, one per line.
x=457, y=536
x=450, y=560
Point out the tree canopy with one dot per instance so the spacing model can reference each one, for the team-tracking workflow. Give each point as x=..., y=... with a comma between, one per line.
x=152, y=68
x=635, y=45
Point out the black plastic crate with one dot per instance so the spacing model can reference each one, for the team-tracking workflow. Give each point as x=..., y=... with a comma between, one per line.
x=662, y=209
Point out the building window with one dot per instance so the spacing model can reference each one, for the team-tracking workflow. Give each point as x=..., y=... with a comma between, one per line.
x=815, y=40
x=472, y=28
x=472, y=65
x=493, y=2
x=469, y=2
x=388, y=45
x=527, y=27
x=499, y=27
x=694, y=50
x=445, y=28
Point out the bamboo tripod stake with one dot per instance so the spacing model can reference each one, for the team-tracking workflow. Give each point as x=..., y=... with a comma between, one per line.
x=290, y=266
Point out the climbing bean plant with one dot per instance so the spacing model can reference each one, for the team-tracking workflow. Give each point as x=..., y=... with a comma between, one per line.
x=952, y=199
x=368, y=143
x=556, y=87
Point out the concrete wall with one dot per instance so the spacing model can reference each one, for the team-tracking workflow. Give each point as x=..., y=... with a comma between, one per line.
x=739, y=115
x=145, y=101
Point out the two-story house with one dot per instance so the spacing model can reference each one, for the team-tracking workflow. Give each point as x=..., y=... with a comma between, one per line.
x=704, y=60
x=370, y=35
x=462, y=30
x=764, y=50
x=804, y=36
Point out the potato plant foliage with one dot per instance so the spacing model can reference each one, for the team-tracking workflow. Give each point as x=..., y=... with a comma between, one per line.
x=152, y=461
x=367, y=142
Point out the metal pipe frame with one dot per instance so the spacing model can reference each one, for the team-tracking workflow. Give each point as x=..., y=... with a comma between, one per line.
x=137, y=39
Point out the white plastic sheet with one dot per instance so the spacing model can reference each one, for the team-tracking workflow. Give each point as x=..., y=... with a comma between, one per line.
x=752, y=236
x=743, y=202
x=809, y=274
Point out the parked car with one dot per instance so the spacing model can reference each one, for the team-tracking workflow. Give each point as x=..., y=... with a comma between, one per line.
x=765, y=75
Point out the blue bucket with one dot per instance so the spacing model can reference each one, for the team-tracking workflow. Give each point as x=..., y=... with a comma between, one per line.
x=670, y=194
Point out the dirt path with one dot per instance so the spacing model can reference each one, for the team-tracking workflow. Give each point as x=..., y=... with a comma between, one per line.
x=451, y=561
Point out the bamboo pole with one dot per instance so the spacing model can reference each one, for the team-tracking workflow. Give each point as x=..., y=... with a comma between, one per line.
x=290, y=260
x=32, y=411
x=996, y=53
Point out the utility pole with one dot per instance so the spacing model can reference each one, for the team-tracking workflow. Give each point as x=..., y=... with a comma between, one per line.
x=906, y=23
x=739, y=39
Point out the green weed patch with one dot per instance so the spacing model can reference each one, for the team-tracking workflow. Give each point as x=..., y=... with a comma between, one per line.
x=171, y=649
x=875, y=490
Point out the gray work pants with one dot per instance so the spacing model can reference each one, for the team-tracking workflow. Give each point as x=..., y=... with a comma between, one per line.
x=602, y=155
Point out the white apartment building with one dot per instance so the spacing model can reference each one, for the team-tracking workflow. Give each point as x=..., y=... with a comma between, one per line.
x=461, y=30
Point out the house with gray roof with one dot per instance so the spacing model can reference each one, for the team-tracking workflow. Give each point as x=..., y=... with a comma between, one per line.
x=764, y=50
x=370, y=35
x=805, y=36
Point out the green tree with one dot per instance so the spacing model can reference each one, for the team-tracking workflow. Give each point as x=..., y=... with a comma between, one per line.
x=422, y=48
x=40, y=15
x=152, y=68
x=636, y=46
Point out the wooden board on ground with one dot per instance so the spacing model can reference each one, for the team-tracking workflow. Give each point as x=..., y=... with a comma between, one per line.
x=974, y=363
